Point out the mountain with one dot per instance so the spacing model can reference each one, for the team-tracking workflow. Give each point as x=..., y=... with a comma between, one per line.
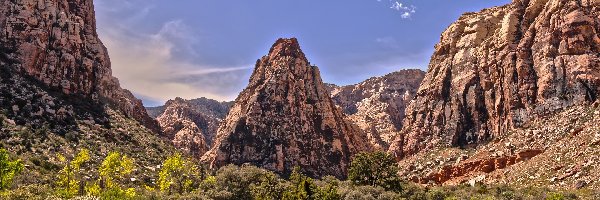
x=191, y=124
x=57, y=94
x=286, y=118
x=377, y=105
x=56, y=43
x=501, y=69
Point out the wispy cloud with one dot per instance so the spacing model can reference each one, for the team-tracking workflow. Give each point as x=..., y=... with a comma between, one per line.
x=160, y=65
x=406, y=10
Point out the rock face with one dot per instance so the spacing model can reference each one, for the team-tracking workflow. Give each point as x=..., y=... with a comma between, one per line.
x=192, y=124
x=55, y=42
x=497, y=69
x=286, y=118
x=377, y=105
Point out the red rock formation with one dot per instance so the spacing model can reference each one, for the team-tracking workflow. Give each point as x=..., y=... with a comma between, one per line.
x=55, y=42
x=450, y=172
x=497, y=69
x=286, y=118
x=192, y=124
x=377, y=105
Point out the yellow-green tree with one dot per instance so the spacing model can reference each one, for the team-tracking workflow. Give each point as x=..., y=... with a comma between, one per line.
x=69, y=182
x=177, y=174
x=115, y=167
x=8, y=169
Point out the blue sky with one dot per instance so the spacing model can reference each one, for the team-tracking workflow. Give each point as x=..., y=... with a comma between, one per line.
x=162, y=49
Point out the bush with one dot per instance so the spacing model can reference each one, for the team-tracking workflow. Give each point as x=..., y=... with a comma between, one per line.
x=375, y=169
x=178, y=174
x=69, y=183
x=8, y=169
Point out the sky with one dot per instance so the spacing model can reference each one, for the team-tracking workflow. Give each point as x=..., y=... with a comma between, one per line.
x=162, y=49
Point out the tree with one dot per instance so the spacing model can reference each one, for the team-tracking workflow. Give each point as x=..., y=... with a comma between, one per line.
x=375, y=169
x=69, y=177
x=8, y=169
x=115, y=167
x=177, y=173
x=304, y=188
x=270, y=188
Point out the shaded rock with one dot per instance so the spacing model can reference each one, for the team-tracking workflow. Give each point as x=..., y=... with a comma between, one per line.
x=55, y=42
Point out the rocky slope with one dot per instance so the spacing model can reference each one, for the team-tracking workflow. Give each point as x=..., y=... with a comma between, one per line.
x=377, y=105
x=501, y=68
x=55, y=42
x=57, y=94
x=192, y=124
x=286, y=118
x=560, y=150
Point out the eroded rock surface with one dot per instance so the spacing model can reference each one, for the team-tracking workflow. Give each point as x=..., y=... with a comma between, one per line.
x=192, y=124
x=377, y=105
x=55, y=42
x=286, y=118
x=498, y=69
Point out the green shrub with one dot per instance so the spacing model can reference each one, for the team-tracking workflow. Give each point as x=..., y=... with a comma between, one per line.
x=375, y=169
x=69, y=178
x=9, y=169
x=178, y=174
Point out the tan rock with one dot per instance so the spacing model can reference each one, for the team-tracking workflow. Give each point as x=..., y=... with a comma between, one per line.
x=498, y=69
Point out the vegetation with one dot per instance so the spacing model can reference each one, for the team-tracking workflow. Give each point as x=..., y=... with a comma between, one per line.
x=178, y=174
x=8, y=169
x=68, y=184
x=180, y=178
x=375, y=169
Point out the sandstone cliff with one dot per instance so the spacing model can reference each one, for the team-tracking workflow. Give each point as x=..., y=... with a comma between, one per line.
x=498, y=69
x=286, y=118
x=377, y=105
x=55, y=42
x=192, y=124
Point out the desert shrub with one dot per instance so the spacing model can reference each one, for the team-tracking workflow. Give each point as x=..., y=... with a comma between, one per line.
x=303, y=187
x=29, y=192
x=114, y=168
x=69, y=178
x=178, y=174
x=270, y=187
x=232, y=182
x=375, y=169
x=9, y=169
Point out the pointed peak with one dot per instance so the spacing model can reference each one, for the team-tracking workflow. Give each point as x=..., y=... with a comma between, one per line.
x=286, y=47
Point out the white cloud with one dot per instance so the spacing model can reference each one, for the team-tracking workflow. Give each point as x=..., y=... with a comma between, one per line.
x=151, y=64
x=406, y=10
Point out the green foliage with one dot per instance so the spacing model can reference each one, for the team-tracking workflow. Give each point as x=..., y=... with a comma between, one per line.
x=304, y=187
x=179, y=174
x=115, y=167
x=555, y=196
x=270, y=187
x=68, y=183
x=375, y=169
x=8, y=169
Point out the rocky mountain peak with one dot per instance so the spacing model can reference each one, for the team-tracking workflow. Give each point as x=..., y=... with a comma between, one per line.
x=286, y=47
x=55, y=42
x=286, y=118
x=501, y=68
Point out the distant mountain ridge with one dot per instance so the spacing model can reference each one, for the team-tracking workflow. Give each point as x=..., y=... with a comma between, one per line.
x=377, y=105
x=191, y=124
